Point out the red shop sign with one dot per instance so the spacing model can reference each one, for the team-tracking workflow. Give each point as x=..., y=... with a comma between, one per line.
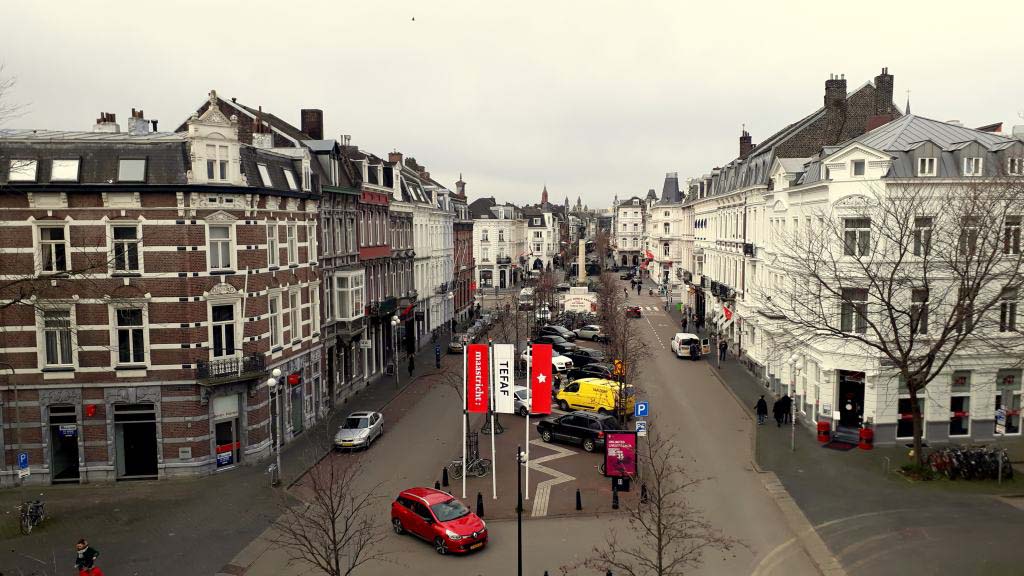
x=222, y=448
x=477, y=378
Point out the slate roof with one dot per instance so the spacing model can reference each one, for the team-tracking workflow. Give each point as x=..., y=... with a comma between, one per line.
x=481, y=208
x=670, y=193
x=906, y=133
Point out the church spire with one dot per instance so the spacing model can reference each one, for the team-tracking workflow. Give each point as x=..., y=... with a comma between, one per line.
x=544, y=195
x=908, y=104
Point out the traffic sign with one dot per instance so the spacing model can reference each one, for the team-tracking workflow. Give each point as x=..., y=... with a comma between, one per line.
x=22, y=460
x=641, y=410
x=1001, y=421
x=641, y=427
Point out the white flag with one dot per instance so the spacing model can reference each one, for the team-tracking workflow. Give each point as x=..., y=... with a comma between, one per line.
x=503, y=363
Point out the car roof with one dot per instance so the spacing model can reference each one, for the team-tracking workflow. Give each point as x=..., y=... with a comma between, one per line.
x=687, y=336
x=363, y=414
x=598, y=381
x=427, y=496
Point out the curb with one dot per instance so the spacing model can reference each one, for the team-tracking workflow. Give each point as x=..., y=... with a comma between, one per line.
x=749, y=415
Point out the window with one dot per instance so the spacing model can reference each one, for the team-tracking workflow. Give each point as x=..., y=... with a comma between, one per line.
x=220, y=247
x=636, y=243
x=273, y=253
x=53, y=249
x=922, y=236
x=1015, y=166
x=854, y=317
x=329, y=302
x=223, y=330
x=64, y=171
x=264, y=175
x=965, y=311
x=485, y=254
x=857, y=167
x=126, y=248
x=960, y=404
x=131, y=347
x=292, y=246
x=349, y=294
x=275, y=320
x=666, y=213
x=667, y=227
x=905, y=424
x=926, y=166
x=857, y=236
x=57, y=338
x=919, y=311
x=969, y=235
x=22, y=171
x=131, y=170
x=635, y=227
x=1008, y=398
x=1011, y=235
x=314, y=309
x=483, y=235
x=536, y=221
x=972, y=166
x=538, y=235
x=501, y=235
x=289, y=175
x=350, y=233
x=216, y=162
x=665, y=250
x=1008, y=311
x=294, y=316
x=311, y=247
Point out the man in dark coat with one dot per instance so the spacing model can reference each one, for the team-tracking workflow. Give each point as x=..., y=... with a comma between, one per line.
x=412, y=364
x=683, y=323
x=787, y=408
x=86, y=560
x=777, y=412
x=761, y=408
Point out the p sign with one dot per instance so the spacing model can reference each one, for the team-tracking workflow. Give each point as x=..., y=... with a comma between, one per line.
x=641, y=409
x=22, y=460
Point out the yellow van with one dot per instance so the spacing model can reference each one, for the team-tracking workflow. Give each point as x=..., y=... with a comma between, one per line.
x=594, y=395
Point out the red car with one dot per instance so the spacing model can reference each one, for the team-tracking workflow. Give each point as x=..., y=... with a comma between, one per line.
x=438, y=518
x=633, y=312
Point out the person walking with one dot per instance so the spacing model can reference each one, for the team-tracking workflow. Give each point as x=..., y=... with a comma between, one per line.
x=412, y=364
x=683, y=323
x=761, y=408
x=787, y=408
x=777, y=412
x=86, y=559
x=625, y=293
x=723, y=347
x=639, y=287
x=694, y=352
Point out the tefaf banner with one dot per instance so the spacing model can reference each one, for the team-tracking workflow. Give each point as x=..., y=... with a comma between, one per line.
x=503, y=363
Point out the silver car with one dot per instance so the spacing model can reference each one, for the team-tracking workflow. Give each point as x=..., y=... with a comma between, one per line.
x=359, y=430
x=522, y=394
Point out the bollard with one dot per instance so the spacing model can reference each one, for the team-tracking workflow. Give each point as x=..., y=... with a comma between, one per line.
x=579, y=501
x=480, y=504
x=608, y=573
x=444, y=476
x=643, y=493
x=437, y=485
x=615, y=498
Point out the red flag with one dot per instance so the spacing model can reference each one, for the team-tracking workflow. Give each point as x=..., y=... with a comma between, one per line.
x=540, y=379
x=476, y=373
x=727, y=312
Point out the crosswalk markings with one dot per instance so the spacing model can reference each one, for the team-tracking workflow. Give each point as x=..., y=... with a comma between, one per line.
x=543, y=493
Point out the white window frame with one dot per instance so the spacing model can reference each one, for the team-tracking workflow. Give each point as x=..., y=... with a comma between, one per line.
x=210, y=248
x=295, y=315
x=69, y=363
x=329, y=297
x=1015, y=166
x=1008, y=312
x=976, y=165
x=265, y=175
x=314, y=309
x=274, y=320
x=289, y=175
x=115, y=335
x=311, y=246
x=355, y=285
x=217, y=163
x=1012, y=235
x=291, y=244
x=115, y=243
x=854, y=164
x=273, y=247
x=51, y=246
x=861, y=237
x=22, y=170
x=235, y=325
x=927, y=166
x=68, y=169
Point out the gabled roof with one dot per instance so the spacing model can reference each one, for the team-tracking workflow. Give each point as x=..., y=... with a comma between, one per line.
x=906, y=133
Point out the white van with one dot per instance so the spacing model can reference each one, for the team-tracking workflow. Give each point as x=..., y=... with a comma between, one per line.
x=526, y=299
x=681, y=344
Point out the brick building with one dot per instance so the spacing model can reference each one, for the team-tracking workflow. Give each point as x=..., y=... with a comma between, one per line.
x=465, y=265
x=150, y=282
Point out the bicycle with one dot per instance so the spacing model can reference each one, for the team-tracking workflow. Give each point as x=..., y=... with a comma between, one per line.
x=478, y=467
x=31, y=515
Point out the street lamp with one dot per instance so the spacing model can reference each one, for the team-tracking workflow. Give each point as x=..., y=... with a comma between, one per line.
x=520, y=460
x=792, y=397
x=274, y=385
x=395, y=322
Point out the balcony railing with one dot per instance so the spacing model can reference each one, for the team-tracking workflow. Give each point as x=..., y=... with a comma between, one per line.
x=504, y=260
x=233, y=368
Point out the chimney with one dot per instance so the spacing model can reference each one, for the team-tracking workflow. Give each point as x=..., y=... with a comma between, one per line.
x=107, y=122
x=137, y=124
x=883, y=93
x=313, y=123
x=746, y=145
x=262, y=136
x=835, y=108
x=425, y=175
x=460, y=186
x=395, y=157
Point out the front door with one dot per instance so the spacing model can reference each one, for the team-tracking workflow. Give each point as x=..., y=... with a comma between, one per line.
x=501, y=279
x=63, y=444
x=228, y=446
x=851, y=398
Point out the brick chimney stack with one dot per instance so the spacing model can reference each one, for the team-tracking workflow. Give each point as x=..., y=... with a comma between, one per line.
x=395, y=157
x=460, y=186
x=746, y=145
x=884, y=111
x=313, y=123
x=835, y=108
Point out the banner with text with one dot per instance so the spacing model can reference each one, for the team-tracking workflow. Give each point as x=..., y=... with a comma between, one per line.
x=503, y=362
x=477, y=376
x=540, y=379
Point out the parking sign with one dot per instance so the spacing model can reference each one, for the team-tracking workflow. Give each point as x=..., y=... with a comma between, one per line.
x=641, y=428
x=641, y=409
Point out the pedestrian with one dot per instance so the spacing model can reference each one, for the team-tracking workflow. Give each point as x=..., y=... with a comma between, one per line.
x=762, y=410
x=412, y=364
x=777, y=412
x=639, y=287
x=684, y=323
x=694, y=352
x=723, y=347
x=625, y=293
x=787, y=408
x=86, y=559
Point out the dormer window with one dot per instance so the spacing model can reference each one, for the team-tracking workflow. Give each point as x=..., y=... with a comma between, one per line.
x=972, y=166
x=857, y=167
x=216, y=162
x=636, y=202
x=1015, y=167
x=926, y=166
x=131, y=170
x=289, y=175
x=536, y=221
x=264, y=175
x=64, y=171
x=22, y=171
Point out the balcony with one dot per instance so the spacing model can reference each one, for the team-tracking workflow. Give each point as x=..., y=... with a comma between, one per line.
x=442, y=288
x=382, y=309
x=504, y=260
x=224, y=370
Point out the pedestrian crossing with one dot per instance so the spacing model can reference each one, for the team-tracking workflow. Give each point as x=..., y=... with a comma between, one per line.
x=650, y=308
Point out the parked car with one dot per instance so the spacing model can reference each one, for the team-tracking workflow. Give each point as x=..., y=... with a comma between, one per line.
x=561, y=345
x=591, y=332
x=359, y=430
x=439, y=518
x=562, y=287
x=626, y=276
x=633, y=312
x=584, y=356
x=543, y=313
x=457, y=343
x=559, y=363
x=556, y=330
x=682, y=342
x=522, y=394
x=581, y=428
x=595, y=395
x=595, y=370
x=487, y=318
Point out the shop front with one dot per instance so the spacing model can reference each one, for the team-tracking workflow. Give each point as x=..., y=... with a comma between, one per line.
x=227, y=429
x=135, y=441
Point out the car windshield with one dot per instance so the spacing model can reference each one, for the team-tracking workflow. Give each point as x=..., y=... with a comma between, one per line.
x=353, y=423
x=449, y=510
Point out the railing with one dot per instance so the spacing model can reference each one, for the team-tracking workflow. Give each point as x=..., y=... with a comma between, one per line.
x=231, y=368
x=504, y=260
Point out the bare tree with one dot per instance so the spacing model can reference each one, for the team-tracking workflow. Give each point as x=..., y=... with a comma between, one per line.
x=912, y=276
x=602, y=246
x=624, y=342
x=667, y=536
x=333, y=528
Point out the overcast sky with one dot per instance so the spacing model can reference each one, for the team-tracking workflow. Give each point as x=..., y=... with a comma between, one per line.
x=592, y=98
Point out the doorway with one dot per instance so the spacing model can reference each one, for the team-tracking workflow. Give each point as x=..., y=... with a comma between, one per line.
x=501, y=279
x=226, y=430
x=135, y=442
x=63, y=444
x=297, y=400
x=851, y=399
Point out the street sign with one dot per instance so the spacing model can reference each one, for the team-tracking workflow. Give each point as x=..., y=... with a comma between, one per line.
x=641, y=409
x=365, y=344
x=1001, y=421
x=22, y=460
x=641, y=427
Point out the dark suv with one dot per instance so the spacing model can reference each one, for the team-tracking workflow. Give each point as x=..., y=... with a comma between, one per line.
x=595, y=370
x=561, y=345
x=582, y=428
x=584, y=356
x=555, y=330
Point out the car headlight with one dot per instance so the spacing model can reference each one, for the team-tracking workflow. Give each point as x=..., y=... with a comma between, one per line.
x=453, y=535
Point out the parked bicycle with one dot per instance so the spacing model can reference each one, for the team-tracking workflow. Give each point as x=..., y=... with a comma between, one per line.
x=972, y=463
x=478, y=467
x=31, y=515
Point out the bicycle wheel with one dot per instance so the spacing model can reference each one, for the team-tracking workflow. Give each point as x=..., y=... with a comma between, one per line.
x=481, y=467
x=26, y=524
x=455, y=470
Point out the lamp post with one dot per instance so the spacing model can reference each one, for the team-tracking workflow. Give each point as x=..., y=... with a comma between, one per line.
x=16, y=441
x=274, y=384
x=792, y=401
x=519, y=510
x=395, y=322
